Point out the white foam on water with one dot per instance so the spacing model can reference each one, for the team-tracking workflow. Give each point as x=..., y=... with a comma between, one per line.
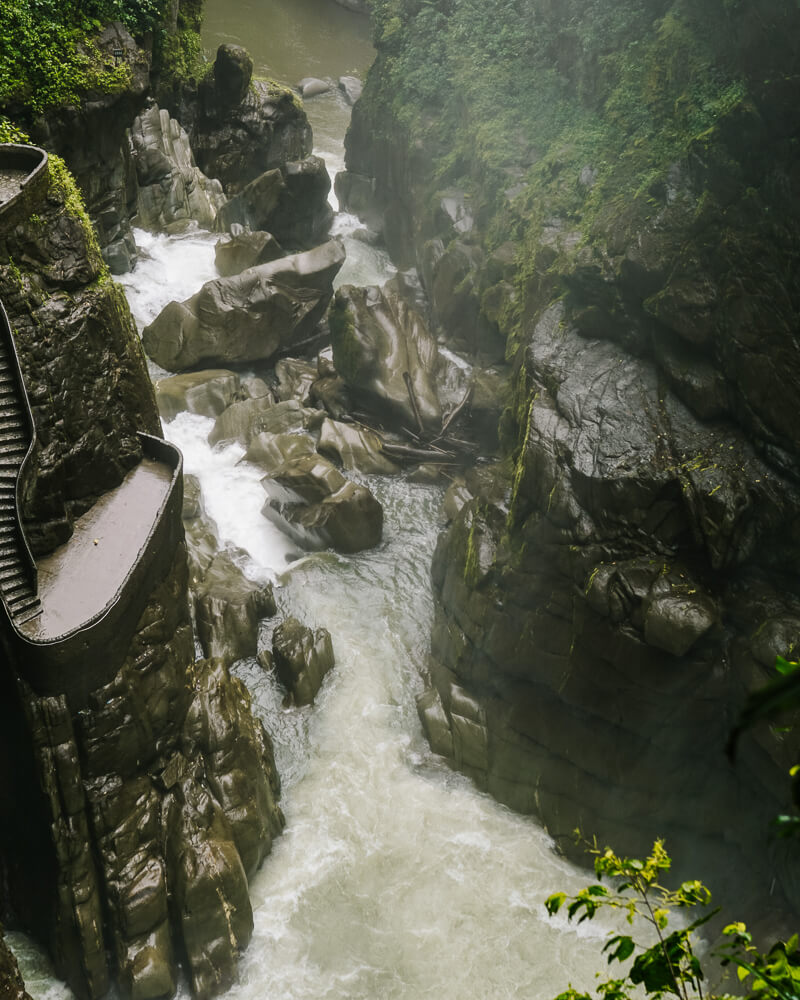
x=232, y=496
x=169, y=269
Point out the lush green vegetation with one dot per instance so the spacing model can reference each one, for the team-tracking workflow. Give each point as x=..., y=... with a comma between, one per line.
x=526, y=97
x=47, y=56
x=670, y=965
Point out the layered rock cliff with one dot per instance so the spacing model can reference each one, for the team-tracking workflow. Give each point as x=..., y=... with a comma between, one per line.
x=612, y=196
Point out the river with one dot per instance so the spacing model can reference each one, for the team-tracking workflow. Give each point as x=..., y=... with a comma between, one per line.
x=395, y=877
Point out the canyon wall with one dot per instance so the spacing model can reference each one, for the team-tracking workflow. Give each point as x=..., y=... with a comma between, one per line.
x=625, y=572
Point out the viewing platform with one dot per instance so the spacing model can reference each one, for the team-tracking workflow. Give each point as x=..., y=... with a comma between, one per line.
x=72, y=615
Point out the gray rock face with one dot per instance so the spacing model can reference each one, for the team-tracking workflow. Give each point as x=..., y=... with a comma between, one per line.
x=228, y=609
x=236, y=253
x=290, y=202
x=248, y=317
x=162, y=788
x=302, y=657
x=171, y=189
x=378, y=338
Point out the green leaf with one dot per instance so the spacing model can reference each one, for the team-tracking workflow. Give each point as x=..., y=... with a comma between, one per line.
x=623, y=950
x=555, y=902
x=785, y=666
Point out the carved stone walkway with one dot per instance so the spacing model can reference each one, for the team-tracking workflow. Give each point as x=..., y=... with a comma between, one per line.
x=77, y=580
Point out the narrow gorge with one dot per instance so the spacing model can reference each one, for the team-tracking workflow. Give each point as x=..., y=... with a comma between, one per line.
x=398, y=471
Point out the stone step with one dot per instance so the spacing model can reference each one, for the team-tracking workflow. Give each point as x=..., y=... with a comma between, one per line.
x=20, y=605
x=16, y=590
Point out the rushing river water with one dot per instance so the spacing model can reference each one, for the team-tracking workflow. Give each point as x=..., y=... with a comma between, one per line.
x=394, y=877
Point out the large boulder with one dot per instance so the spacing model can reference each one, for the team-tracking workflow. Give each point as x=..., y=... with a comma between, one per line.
x=171, y=189
x=245, y=420
x=301, y=657
x=235, y=253
x=207, y=393
x=380, y=343
x=315, y=505
x=249, y=317
x=272, y=451
x=290, y=202
x=228, y=609
x=355, y=447
x=295, y=379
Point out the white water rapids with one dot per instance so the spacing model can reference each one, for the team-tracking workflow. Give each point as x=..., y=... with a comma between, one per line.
x=394, y=878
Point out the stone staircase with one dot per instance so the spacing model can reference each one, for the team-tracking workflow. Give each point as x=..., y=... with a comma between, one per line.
x=17, y=580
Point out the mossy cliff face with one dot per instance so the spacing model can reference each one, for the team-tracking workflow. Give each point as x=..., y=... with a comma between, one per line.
x=629, y=230
x=84, y=367
x=131, y=819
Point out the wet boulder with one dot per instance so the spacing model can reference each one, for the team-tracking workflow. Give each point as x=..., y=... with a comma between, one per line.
x=207, y=393
x=245, y=420
x=386, y=355
x=172, y=190
x=228, y=609
x=290, y=202
x=234, y=254
x=312, y=502
x=248, y=317
x=302, y=657
x=312, y=86
x=271, y=451
x=355, y=447
x=295, y=379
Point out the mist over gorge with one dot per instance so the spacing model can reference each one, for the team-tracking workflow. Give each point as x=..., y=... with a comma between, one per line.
x=490, y=505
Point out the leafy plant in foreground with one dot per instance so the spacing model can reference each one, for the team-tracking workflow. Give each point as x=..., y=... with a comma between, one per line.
x=670, y=966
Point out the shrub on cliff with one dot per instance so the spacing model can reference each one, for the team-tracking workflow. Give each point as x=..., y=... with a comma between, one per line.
x=47, y=55
x=671, y=965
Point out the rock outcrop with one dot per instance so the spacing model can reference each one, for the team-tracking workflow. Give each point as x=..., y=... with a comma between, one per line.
x=90, y=135
x=291, y=203
x=238, y=127
x=172, y=191
x=248, y=317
